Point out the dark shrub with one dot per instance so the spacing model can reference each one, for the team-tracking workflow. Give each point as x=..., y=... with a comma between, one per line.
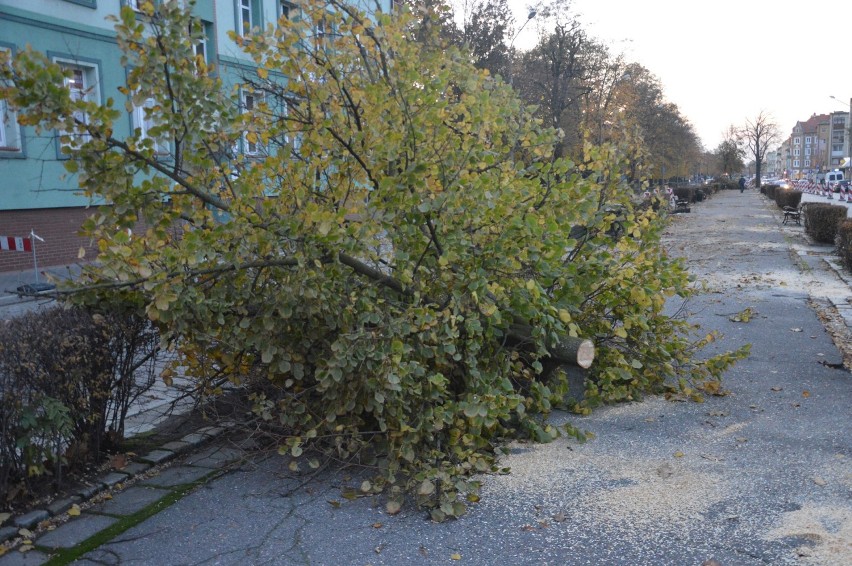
x=685, y=193
x=821, y=221
x=788, y=197
x=67, y=378
x=844, y=233
x=769, y=190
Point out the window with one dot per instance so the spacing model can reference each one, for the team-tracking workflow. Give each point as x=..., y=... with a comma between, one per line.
x=796, y=151
x=250, y=141
x=82, y=84
x=135, y=4
x=797, y=141
x=248, y=15
x=807, y=162
x=201, y=31
x=796, y=163
x=144, y=118
x=807, y=151
x=10, y=131
x=808, y=140
x=287, y=10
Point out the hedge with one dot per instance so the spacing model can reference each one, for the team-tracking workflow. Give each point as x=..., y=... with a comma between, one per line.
x=844, y=248
x=821, y=221
x=788, y=197
x=67, y=378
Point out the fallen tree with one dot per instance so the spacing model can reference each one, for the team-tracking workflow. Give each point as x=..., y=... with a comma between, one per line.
x=379, y=246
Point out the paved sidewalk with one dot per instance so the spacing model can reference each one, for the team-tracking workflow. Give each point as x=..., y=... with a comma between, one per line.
x=760, y=476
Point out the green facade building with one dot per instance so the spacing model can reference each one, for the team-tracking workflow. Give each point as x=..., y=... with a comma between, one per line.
x=37, y=195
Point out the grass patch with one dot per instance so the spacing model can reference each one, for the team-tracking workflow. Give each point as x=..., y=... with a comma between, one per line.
x=67, y=555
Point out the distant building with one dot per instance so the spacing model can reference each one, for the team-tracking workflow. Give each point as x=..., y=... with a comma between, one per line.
x=809, y=147
x=840, y=146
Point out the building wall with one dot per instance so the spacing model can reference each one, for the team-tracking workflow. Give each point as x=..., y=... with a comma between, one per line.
x=58, y=227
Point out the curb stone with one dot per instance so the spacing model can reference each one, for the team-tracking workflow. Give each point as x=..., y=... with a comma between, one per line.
x=92, y=519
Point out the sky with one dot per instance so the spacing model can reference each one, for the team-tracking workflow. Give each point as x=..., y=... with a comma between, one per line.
x=723, y=62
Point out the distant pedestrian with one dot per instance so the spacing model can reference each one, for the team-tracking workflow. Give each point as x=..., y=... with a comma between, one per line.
x=742, y=183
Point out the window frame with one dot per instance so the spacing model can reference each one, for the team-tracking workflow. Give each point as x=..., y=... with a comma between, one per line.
x=253, y=9
x=92, y=90
x=162, y=149
x=289, y=7
x=249, y=99
x=11, y=139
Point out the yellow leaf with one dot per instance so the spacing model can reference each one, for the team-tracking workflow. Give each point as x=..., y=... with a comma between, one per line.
x=678, y=454
x=392, y=507
x=455, y=556
x=426, y=488
x=262, y=73
x=564, y=316
x=74, y=511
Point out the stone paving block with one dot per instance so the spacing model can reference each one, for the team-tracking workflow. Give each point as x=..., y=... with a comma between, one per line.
x=89, y=491
x=135, y=468
x=8, y=532
x=112, y=479
x=129, y=501
x=175, y=446
x=62, y=505
x=16, y=558
x=211, y=431
x=157, y=456
x=75, y=531
x=31, y=519
x=179, y=475
x=195, y=439
x=215, y=457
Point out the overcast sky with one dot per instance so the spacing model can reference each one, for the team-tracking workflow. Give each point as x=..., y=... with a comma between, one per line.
x=724, y=61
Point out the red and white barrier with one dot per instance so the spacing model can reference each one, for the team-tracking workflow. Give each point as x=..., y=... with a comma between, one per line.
x=16, y=244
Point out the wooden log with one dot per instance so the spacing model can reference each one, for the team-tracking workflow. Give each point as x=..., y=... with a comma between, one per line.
x=569, y=350
x=574, y=351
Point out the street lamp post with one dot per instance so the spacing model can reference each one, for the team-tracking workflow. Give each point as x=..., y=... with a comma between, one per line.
x=530, y=16
x=848, y=144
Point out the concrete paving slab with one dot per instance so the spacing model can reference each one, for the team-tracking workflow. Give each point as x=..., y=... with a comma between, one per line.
x=75, y=531
x=215, y=457
x=178, y=475
x=31, y=558
x=129, y=501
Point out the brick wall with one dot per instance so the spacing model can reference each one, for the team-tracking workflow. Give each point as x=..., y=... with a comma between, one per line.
x=60, y=228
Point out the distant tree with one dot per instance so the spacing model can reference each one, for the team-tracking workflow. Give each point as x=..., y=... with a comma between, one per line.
x=757, y=136
x=486, y=28
x=729, y=153
x=553, y=76
x=671, y=145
